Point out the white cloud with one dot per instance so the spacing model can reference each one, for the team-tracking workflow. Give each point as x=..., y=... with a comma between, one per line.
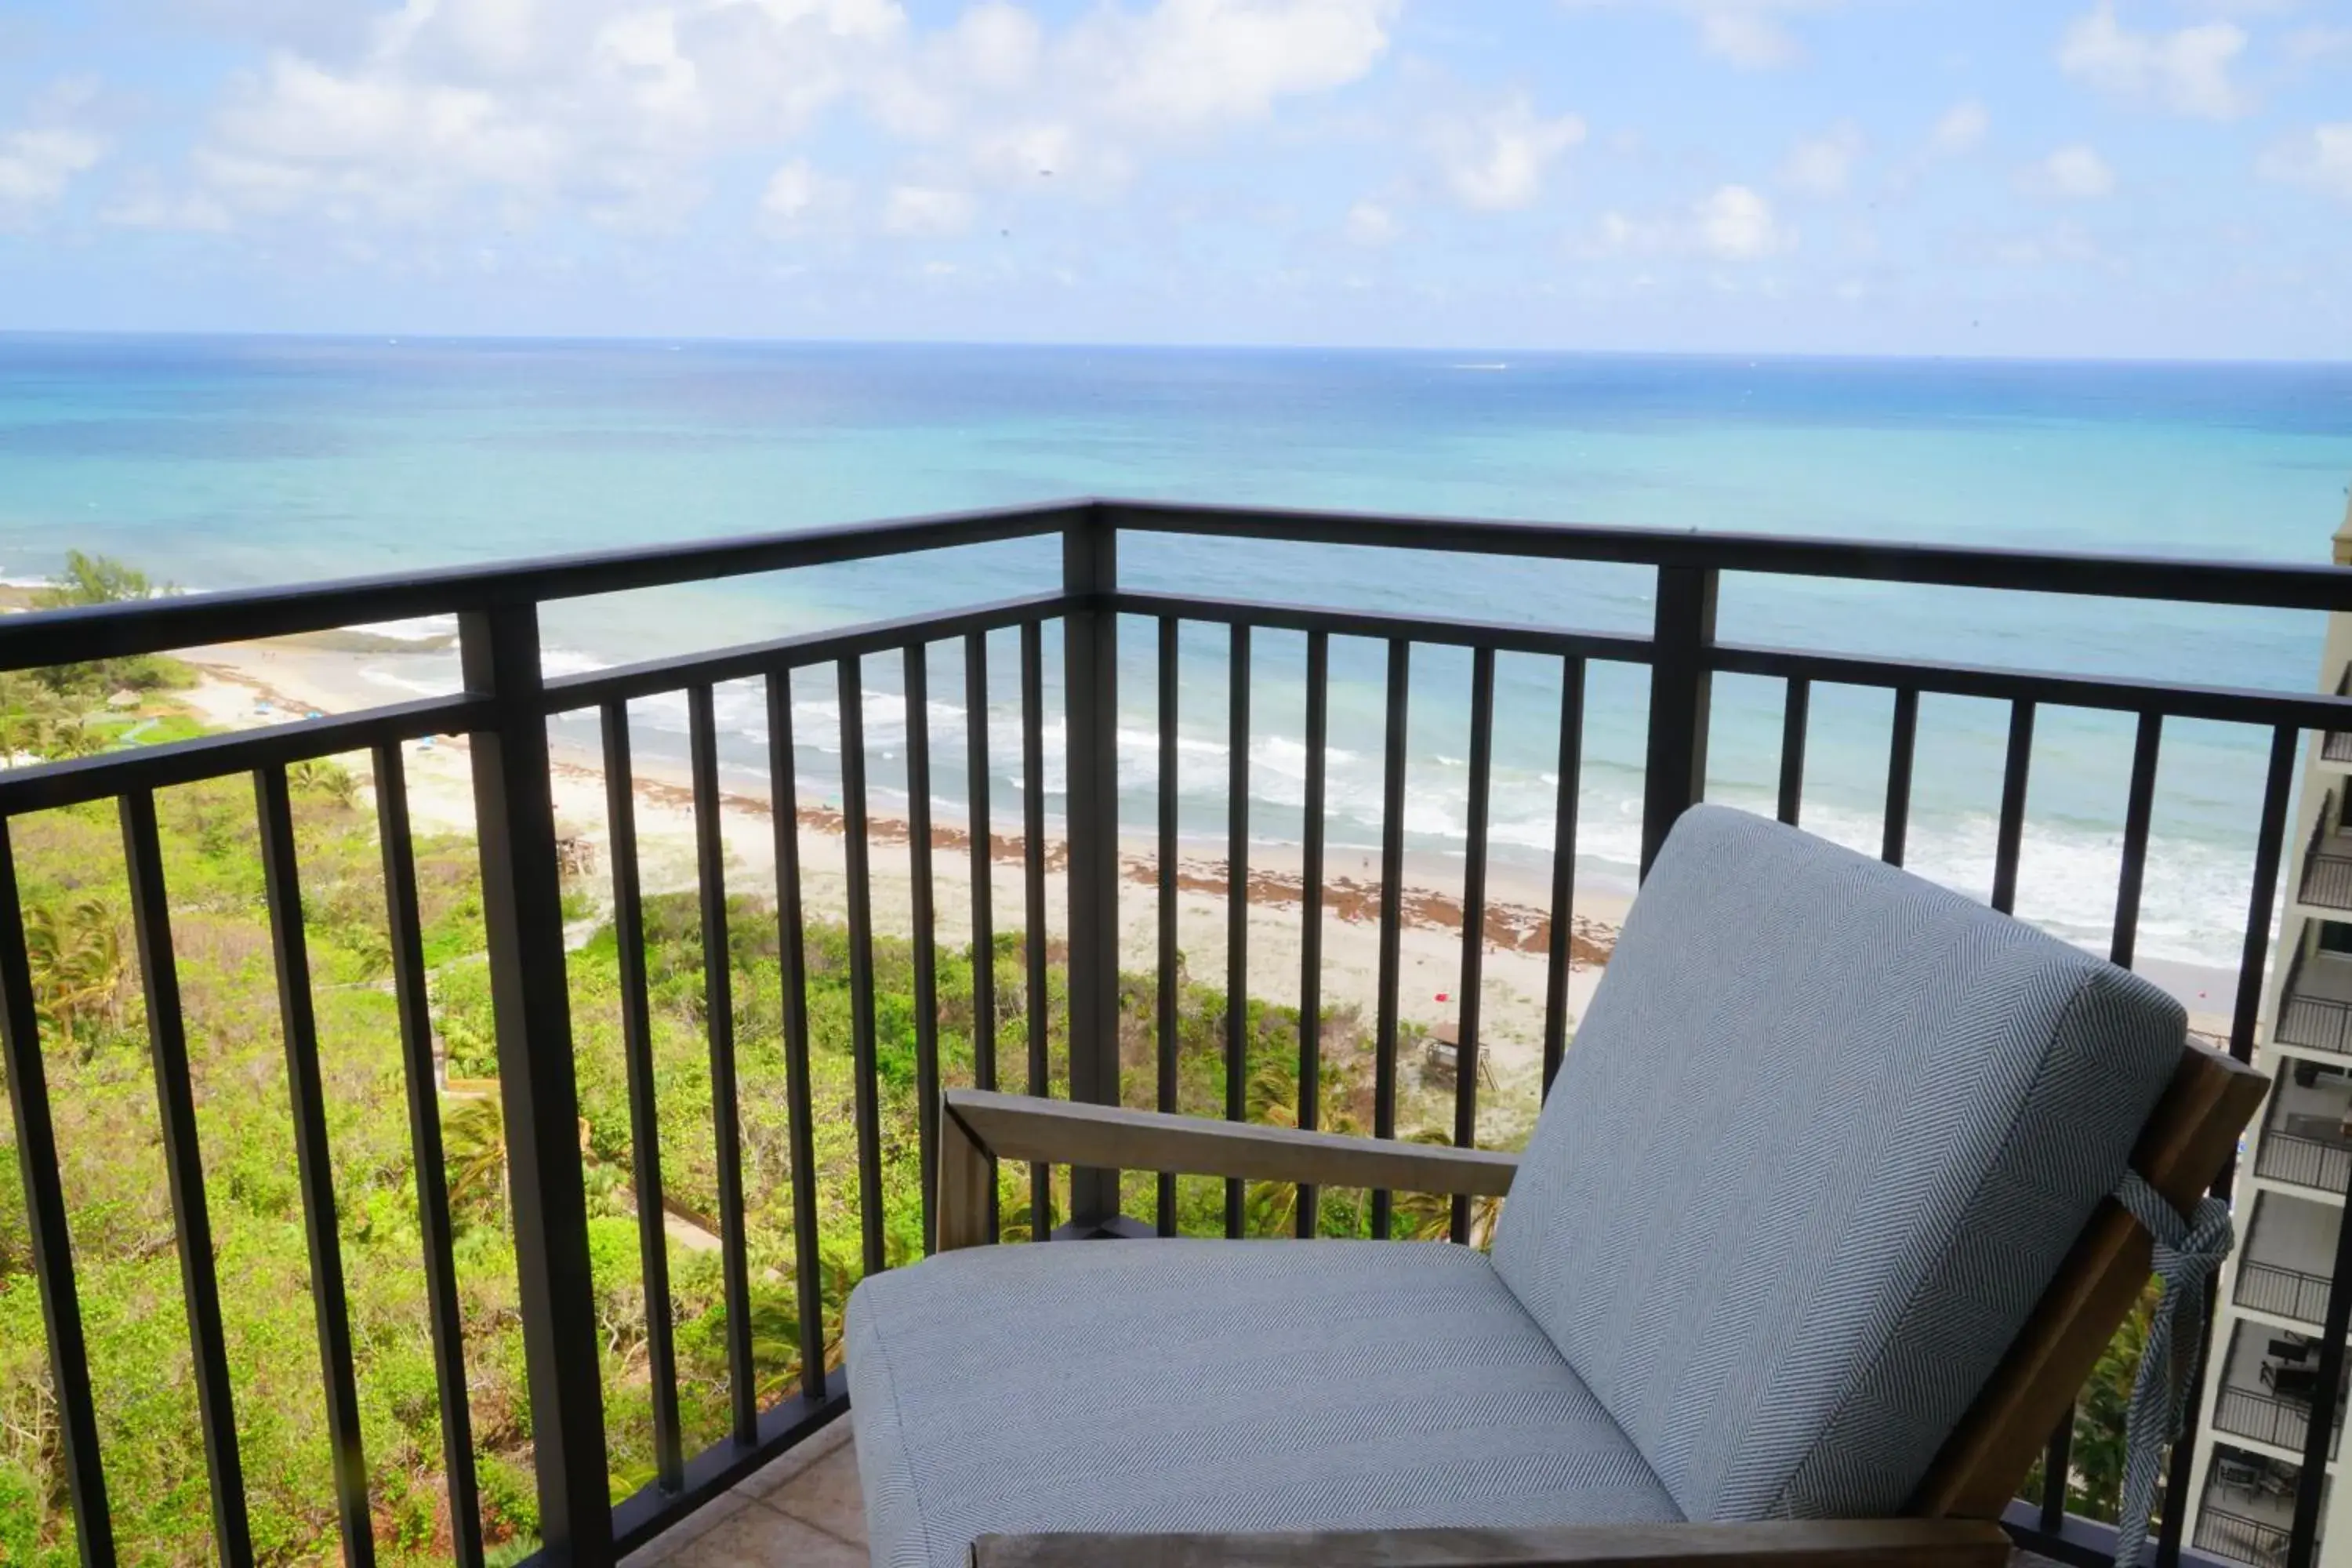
x=1732, y=223
x=1736, y=224
x=1749, y=33
x=1497, y=161
x=798, y=196
x=927, y=211
x=2308, y=46
x=2070, y=173
x=1188, y=65
x=2186, y=71
x=189, y=212
x=509, y=110
x=48, y=152
x=2320, y=158
x=1371, y=224
x=1823, y=165
x=2067, y=243
x=38, y=163
x=1961, y=130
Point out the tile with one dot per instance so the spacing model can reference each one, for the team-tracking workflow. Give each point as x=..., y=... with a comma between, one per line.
x=664, y=1548
x=787, y=1466
x=826, y=1495
x=759, y=1536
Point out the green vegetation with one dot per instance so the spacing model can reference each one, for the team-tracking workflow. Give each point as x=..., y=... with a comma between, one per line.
x=72, y=709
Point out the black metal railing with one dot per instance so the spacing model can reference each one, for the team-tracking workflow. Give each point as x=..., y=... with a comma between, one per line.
x=504, y=707
x=2326, y=874
x=2314, y=1023
x=2282, y=1422
x=2241, y=1539
x=2305, y=1162
x=2285, y=1292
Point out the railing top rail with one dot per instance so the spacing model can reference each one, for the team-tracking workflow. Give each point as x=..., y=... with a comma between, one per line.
x=159, y=626
x=62, y=637
x=2188, y=580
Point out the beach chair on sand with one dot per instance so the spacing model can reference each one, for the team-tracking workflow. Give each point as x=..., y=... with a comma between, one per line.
x=1844, y=1185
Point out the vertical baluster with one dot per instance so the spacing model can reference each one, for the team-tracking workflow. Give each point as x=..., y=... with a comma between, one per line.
x=183, y=1164
x=1902, y=745
x=865, y=1095
x=404, y=923
x=1474, y=920
x=800, y=1094
x=1090, y=747
x=1310, y=910
x=2010, y=835
x=1794, y=712
x=1560, y=959
x=2261, y=901
x=2139, y=811
x=1167, y=985
x=644, y=1119
x=313, y=1162
x=925, y=950
x=1681, y=686
x=45, y=1212
x=1033, y=868
x=1237, y=783
x=539, y=1097
x=718, y=1022
x=983, y=852
x=1384, y=1028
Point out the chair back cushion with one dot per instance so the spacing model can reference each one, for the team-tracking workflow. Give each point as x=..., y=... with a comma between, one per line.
x=1823, y=1138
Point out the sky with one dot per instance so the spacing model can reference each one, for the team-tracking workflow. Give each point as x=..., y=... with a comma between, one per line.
x=2053, y=178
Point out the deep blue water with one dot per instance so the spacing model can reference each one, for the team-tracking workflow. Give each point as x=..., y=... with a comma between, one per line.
x=221, y=463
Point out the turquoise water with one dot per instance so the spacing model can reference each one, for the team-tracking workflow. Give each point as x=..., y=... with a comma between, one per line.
x=221, y=463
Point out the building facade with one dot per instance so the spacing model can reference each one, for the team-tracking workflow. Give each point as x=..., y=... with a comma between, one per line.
x=2290, y=1185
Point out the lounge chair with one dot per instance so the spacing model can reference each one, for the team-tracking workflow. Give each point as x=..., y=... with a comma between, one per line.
x=1810, y=1249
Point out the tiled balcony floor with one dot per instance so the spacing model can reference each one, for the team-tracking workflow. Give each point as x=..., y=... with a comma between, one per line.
x=804, y=1510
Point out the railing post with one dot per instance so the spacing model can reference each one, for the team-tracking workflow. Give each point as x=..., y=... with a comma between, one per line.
x=1090, y=657
x=1680, y=679
x=522, y=916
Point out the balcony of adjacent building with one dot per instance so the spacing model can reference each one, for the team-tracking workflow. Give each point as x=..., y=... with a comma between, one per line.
x=2326, y=879
x=2247, y=1512
x=2306, y=1138
x=2314, y=1010
x=2264, y=1394
x=2336, y=745
x=2285, y=1251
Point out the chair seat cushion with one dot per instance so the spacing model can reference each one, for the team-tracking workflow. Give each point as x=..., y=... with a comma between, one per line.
x=1156, y=1386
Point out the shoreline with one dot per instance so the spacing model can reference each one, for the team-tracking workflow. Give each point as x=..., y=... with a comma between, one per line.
x=236, y=679
x=301, y=677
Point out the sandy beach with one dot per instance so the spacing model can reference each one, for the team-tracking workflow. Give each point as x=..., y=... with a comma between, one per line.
x=248, y=685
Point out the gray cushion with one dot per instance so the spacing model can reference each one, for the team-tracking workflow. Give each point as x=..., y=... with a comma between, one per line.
x=1170, y=1385
x=1825, y=1134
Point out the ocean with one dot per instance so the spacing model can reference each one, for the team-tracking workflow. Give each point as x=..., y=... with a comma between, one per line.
x=220, y=463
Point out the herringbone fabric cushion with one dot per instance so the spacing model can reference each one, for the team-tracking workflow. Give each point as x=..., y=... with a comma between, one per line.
x=1217, y=1386
x=1825, y=1132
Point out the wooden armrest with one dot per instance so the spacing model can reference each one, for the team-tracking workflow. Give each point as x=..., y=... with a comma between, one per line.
x=980, y=1124
x=1770, y=1544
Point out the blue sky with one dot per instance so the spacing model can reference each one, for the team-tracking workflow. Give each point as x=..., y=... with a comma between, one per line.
x=2166, y=178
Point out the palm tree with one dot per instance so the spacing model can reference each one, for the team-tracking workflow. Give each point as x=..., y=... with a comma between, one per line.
x=1429, y=1217
x=474, y=1140
x=78, y=964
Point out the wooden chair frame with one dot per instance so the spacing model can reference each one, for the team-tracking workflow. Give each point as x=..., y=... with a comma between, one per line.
x=1950, y=1521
